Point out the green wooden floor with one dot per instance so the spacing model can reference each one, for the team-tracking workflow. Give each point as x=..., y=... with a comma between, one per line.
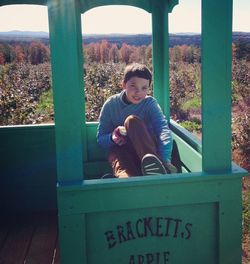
x=29, y=239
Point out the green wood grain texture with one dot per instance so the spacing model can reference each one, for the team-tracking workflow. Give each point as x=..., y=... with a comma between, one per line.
x=191, y=158
x=208, y=202
x=20, y=2
x=187, y=136
x=28, y=168
x=216, y=84
x=160, y=47
x=230, y=232
x=94, y=151
x=87, y=5
x=66, y=50
x=72, y=239
x=162, y=190
x=181, y=250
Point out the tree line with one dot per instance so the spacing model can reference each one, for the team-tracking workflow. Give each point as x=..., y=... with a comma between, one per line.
x=37, y=52
x=100, y=52
x=34, y=53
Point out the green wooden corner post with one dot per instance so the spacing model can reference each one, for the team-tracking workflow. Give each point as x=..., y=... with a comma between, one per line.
x=160, y=41
x=216, y=84
x=70, y=128
x=66, y=51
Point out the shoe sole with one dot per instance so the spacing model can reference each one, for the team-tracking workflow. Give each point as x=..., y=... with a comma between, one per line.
x=151, y=165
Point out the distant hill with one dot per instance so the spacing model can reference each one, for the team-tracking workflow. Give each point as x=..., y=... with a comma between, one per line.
x=119, y=39
x=136, y=40
x=16, y=33
x=16, y=36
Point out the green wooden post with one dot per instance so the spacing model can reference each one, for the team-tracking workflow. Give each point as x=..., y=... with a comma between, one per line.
x=216, y=84
x=160, y=41
x=66, y=50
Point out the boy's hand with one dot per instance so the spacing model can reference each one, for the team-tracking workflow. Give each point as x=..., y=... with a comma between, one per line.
x=170, y=168
x=119, y=140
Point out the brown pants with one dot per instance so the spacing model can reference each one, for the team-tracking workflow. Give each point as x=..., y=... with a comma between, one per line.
x=125, y=160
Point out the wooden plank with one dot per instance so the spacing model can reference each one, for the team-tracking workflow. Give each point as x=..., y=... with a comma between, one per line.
x=4, y=229
x=17, y=242
x=190, y=157
x=44, y=239
x=56, y=259
x=128, y=197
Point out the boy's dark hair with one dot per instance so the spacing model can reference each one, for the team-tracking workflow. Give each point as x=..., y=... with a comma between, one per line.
x=137, y=70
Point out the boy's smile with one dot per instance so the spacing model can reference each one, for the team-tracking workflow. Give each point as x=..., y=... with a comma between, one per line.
x=136, y=89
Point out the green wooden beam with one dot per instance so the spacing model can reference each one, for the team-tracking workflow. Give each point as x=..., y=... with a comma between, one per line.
x=172, y=4
x=216, y=84
x=23, y=2
x=190, y=157
x=160, y=41
x=166, y=190
x=67, y=72
x=87, y=5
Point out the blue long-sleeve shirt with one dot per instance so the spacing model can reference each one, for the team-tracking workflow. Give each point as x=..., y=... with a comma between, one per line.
x=115, y=111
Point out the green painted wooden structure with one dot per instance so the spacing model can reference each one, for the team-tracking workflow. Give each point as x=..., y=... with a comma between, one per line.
x=193, y=216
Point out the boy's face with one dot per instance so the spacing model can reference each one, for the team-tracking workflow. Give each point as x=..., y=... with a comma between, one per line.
x=136, y=89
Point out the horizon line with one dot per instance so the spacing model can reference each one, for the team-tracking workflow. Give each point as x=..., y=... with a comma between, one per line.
x=114, y=33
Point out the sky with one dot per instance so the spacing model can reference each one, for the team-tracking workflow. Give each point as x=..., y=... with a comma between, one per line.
x=186, y=17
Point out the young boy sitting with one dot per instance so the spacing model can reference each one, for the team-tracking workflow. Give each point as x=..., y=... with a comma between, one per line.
x=133, y=127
